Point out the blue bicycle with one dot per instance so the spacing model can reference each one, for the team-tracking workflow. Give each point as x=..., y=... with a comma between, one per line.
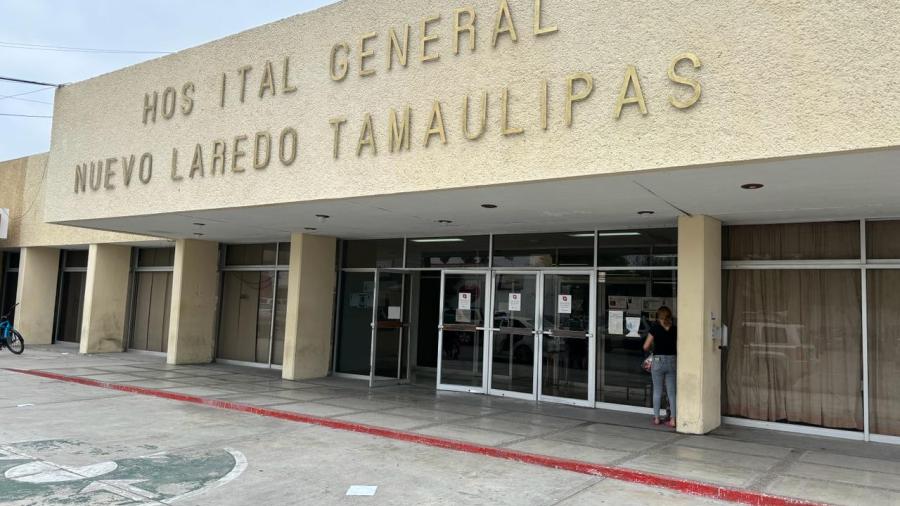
x=9, y=336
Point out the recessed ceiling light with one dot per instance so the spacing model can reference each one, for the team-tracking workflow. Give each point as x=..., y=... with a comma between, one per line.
x=618, y=234
x=489, y=206
x=311, y=229
x=752, y=186
x=646, y=213
x=439, y=239
x=198, y=224
x=198, y=234
x=444, y=222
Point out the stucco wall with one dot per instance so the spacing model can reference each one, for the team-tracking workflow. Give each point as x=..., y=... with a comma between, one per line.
x=22, y=190
x=778, y=78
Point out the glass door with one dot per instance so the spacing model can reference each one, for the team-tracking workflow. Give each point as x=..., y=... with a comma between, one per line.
x=462, y=355
x=389, y=362
x=514, y=334
x=353, y=350
x=567, y=339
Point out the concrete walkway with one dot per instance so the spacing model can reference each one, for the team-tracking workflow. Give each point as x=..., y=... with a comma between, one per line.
x=804, y=467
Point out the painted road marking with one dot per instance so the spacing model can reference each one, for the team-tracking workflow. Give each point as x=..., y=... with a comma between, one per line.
x=696, y=488
x=124, y=488
x=48, y=472
x=159, y=478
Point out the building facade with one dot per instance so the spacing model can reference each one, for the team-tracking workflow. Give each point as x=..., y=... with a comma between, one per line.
x=495, y=197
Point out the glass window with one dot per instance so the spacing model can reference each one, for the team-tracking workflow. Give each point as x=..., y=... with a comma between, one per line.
x=884, y=351
x=654, y=247
x=76, y=258
x=455, y=251
x=150, y=321
x=71, y=306
x=544, y=250
x=13, y=260
x=284, y=253
x=8, y=290
x=883, y=240
x=280, y=317
x=246, y=316
x=156, y=257
x=622, y=295
x=795, y=352
x=250, y=254
x=836, y=240
x=369, y=254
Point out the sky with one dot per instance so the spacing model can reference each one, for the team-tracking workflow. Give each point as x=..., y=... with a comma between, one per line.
x=132, y=25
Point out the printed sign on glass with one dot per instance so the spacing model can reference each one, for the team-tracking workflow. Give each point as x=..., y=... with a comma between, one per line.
x=565, y=304
x=465, y=301
x=515, y=302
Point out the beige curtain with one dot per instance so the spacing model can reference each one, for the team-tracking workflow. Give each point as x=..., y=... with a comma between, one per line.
x=795, y=349
x=240, y=319
x=884, y=351
x=792, y=241
x=883, y=239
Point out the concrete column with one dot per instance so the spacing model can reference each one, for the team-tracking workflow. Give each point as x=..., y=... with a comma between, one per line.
x=699, y=321
x=36, y=294
x=195, y=294
x=310, y=307
x=105, y=299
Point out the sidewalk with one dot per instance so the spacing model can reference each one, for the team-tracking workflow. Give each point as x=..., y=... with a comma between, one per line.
x=804, y=467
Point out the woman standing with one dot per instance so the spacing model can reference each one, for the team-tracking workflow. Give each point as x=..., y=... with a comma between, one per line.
x=663, y=340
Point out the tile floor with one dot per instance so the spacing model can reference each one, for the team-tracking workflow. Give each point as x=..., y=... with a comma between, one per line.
x=815, y=468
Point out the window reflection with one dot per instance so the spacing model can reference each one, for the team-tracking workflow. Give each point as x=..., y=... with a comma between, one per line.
x=626, y=306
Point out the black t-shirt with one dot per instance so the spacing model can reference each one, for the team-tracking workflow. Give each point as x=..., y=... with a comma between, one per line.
x=665, y=342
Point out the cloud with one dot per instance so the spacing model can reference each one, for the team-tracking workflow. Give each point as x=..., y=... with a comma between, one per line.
x=143, y=25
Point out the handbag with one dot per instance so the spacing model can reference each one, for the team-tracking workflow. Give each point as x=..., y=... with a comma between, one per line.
x=647, y=364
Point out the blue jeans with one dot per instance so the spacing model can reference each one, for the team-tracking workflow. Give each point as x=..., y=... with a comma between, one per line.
x=663, y=371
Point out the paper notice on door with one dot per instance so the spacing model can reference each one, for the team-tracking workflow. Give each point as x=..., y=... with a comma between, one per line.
x=463, y=316
x=393, y=312
x=617, y=302
x=651, y=304
x=564, y=305
x=633, y=324
x=465, y=301
x=515, y=302
x=616, y=323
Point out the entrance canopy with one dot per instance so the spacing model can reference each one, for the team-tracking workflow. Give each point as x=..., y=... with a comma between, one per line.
x=848, y=185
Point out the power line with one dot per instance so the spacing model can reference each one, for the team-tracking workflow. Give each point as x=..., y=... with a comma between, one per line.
x=17, y=96
x=28, y=100
x=45, y=88
x=26, y=81
x=24, y=115
x=41, y=47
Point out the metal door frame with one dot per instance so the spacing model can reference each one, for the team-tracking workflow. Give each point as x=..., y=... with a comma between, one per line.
x=591, y=337
x=488, y=304
x=403, y=334
x=538, y=320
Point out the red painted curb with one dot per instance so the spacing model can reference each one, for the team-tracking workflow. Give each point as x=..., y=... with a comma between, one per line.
x=619, y=473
